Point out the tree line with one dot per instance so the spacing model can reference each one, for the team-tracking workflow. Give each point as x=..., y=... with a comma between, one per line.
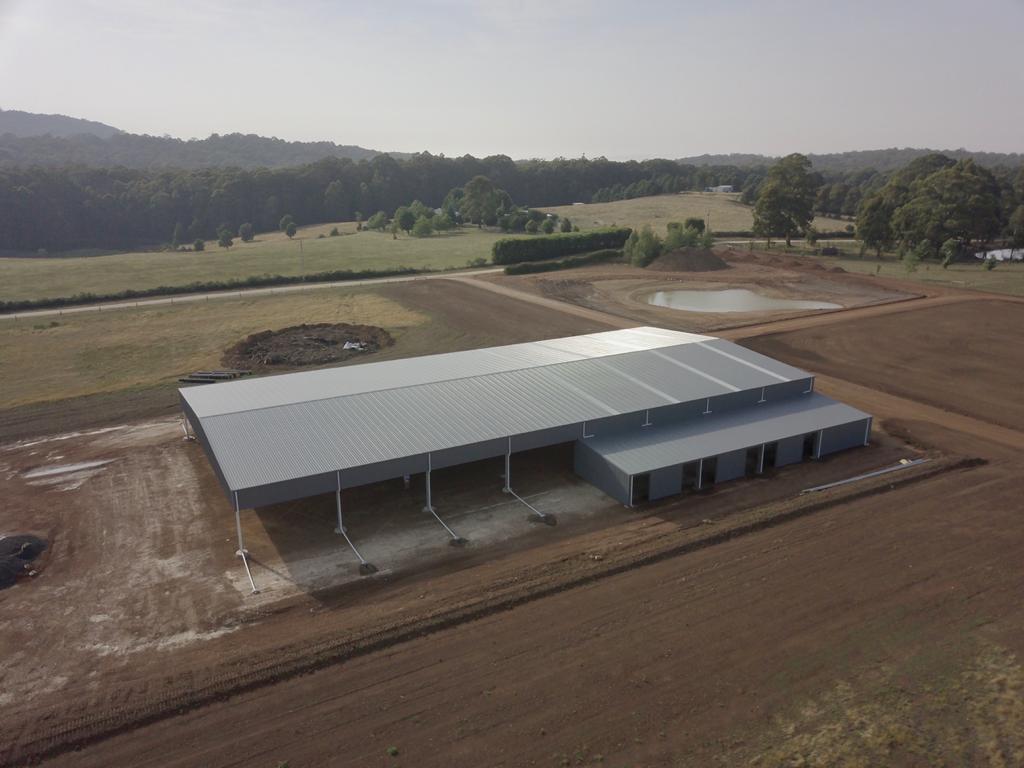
x=934, y=207
x=57, y=208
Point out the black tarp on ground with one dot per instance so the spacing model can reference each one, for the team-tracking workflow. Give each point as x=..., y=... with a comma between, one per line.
x=16, y=552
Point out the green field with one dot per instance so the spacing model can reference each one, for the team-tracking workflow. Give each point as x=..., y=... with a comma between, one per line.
x=273, y=254
x=725, y=211
x=97, y=352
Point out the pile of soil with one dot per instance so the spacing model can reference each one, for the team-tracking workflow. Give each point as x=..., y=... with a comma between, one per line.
x=768, y=259
x=16, y=552
x=315, y=344
x=688, y=260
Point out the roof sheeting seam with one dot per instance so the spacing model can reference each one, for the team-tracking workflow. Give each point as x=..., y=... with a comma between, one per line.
x=691, y=369
x=634, y=380
x=740, y=360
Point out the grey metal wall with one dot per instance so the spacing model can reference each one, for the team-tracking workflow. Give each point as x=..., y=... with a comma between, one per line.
x=289, y=490
x=845, y=436
x=197, y=428
x=465, y=454
x=790, y=451
x=666, y=482
x=596, y=471
x=782, y=390
x=384, y=470
x=731, y=465
x=545, y=437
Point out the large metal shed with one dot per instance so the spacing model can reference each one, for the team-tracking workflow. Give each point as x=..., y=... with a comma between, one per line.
x=643, y=402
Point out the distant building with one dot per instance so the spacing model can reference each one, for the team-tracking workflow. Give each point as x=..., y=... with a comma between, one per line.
x=721, y=188
x=1002, y=254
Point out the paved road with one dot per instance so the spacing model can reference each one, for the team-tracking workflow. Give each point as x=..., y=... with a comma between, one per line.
x=214, y=295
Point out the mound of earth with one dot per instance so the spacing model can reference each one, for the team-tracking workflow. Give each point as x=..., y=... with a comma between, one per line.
x=688, y=260
x=316, y=344
x=16, y=552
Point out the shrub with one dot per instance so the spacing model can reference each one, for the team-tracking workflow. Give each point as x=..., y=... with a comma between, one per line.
x=548, y=226
x=580, y=260
x=422, y=227
x=198, y=245
x=694, y=222
x=515, y=250
x=644, y=248
x=532, y=226
x=679, y=236
x=246, y=233
x=334, y=232
x=442, y=222
x=378, y=221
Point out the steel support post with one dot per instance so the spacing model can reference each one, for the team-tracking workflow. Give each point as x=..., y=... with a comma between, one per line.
x=365, y=568
x=508, y=468
x=242, y=551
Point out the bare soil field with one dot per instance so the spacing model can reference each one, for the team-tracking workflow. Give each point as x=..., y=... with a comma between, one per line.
x=870, y=634
x=965, y=357
x=622, y=290
x=875, y=624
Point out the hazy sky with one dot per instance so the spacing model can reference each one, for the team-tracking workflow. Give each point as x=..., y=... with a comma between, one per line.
x=531, y=78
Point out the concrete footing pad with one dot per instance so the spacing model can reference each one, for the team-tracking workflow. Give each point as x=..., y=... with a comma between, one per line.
x=545, y=519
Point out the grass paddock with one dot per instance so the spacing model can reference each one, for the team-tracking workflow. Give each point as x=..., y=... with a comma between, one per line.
x=271, y=254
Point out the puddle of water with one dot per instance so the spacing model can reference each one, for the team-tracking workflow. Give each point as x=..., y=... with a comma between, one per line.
x=64, y=469
x=729, y=300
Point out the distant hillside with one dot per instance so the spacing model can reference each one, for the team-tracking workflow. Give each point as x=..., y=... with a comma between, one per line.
x=31, y=124
x=147, y=152
x=54, y=140
x=876, y=159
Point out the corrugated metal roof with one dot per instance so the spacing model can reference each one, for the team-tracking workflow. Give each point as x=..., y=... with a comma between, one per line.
x=657, y=446
x=277, y=428
x=247, y=394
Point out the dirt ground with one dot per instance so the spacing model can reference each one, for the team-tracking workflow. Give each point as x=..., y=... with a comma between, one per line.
x=622, y=290
x=966, y=357
x=880, y=624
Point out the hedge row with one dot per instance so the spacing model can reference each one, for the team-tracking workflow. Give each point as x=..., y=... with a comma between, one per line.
x=837, y=235
x=581, y=260
x=515, y=250
x=256, y=281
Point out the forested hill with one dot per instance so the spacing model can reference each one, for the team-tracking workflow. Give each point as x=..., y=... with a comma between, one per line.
x=883, y=160
x=23, y=124
x=130, y=150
